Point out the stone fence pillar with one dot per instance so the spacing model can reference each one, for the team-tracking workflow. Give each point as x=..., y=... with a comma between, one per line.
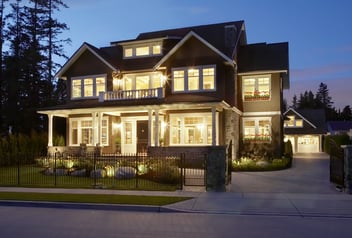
x=348, y=167
x=216, y=169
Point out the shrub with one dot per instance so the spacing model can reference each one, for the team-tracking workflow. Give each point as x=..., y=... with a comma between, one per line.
x=343, y=139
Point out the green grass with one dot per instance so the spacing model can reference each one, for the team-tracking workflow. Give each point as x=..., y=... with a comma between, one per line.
x=92, y=198
x=32, y=176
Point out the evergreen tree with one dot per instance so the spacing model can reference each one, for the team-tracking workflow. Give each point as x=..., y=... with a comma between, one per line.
x=323, y=99
x=346, y=114
x=294, y=102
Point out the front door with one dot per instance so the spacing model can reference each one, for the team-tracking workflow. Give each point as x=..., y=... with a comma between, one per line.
x=142, y=136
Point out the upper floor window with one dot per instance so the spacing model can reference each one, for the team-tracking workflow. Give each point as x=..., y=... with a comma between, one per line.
x=200, y=78
x=256, y=88
x=88, y=87
x=257, y=129
x=150, y=49
x=141, y=81
x=293, y=122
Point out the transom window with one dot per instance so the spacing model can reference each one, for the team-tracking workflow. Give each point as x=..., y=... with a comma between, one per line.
x=256, y=88
x=257, y=129
x=191, y=129
x=201, y=78
x=150, y=49
x=293, y=122
x=88, y=87
x=81, y=131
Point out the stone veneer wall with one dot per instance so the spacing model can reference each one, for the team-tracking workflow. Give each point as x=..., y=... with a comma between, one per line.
x=232, y=120
x=348, y=167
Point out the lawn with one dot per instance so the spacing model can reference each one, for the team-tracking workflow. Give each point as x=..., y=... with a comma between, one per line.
x=92, y=198
x=33, y=176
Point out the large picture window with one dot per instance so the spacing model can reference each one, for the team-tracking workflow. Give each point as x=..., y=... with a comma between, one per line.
x=88, y=87
x=256, y=88
x=81, y=131
x=201, y=78
x=142, y=81
x=257, y=129
x=191, y=129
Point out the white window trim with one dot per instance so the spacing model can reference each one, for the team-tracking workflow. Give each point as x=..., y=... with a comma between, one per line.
x=149, y=45
x=294, y=123
x=256, y=85
x=256, y=124
x=151, y=75
x=200, y=83
x=79, y=136
x=182, y=129
x=81, y=78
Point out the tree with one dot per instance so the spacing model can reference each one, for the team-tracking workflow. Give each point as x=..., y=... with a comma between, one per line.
x=346, y=114
x=294, y=102
x=323, y=99
x=2, y=24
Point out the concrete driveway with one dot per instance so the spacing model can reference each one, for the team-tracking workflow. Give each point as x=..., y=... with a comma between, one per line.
x=309, y=174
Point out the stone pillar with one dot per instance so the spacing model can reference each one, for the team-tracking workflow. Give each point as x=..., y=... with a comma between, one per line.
x=348, y=167
x=213, y=126
x=216, y=169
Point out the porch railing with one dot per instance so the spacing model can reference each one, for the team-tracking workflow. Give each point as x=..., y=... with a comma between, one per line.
x=132, y=94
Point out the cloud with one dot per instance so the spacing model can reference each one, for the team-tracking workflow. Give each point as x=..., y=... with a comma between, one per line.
x=326, y=72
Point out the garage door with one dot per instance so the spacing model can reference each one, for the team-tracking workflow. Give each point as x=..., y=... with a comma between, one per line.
x=308, y=144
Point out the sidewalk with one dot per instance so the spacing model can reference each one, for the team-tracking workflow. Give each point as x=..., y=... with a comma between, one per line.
x=280, y=204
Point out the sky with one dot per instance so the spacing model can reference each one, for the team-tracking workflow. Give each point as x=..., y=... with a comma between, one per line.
x=318, y=32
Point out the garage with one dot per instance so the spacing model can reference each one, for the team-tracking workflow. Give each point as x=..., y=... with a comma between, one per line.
x=308, y=144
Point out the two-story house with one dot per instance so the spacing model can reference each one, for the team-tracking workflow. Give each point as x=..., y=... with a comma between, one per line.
x=188, y=87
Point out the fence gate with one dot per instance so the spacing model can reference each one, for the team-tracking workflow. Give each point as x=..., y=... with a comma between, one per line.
x=336, y=164
x=193, y=169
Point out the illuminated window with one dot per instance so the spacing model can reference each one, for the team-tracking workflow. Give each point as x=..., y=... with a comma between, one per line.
x=148, y=49
x=191, y=129
x=88, y=87
x=81, y=131
x=292, y=121
x=142, y=51
x=142, y=82
x=200, y=78
x=256, y=88
x=257, y=129
x=150, y=80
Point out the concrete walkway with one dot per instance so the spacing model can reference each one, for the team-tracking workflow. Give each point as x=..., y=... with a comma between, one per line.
x=304, y=190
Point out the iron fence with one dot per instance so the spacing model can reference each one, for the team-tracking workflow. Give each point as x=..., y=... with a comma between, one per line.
x=113, y=171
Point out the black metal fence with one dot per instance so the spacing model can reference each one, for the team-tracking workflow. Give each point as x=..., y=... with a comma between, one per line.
x=110, y=171
x=337, y=174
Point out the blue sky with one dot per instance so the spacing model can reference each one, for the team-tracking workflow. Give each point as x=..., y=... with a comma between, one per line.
x=318, y=32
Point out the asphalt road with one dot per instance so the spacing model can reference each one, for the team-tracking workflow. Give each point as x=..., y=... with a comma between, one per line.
x=50, y=222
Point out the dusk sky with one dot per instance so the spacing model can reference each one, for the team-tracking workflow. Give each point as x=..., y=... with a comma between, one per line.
x=318, y=32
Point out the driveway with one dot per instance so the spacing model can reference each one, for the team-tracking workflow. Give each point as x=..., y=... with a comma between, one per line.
x=309, y=174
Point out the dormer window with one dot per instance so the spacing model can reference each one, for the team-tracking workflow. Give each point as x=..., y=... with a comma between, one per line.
x=88, y=86
x=293, y=122
x=142, y=50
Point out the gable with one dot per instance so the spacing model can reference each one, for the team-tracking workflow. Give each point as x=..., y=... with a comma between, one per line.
x=313, y=121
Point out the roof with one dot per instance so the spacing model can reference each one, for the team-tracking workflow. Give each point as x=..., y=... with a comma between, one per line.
x=339, y=125
x=265, y=57
x=315, y=118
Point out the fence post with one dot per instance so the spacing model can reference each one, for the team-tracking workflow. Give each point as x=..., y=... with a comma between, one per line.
x=182, y=169
x=95, y=169
x=347, y=168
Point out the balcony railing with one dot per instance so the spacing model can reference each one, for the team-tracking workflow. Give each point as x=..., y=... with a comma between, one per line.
x=156, y=93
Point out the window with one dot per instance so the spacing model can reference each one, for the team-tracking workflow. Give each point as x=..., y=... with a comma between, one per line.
x=293, y=122
x=256, y=88
x=201, y=78
x=257, y=129
x=81, y=131
x=88, y=87
x=142, y=81
x=149, y=49
x=191, y=129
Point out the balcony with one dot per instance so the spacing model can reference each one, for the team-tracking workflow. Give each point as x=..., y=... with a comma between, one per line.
x=156, y=93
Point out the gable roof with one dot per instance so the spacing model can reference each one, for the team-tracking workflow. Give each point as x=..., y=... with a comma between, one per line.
x=313, y=117
x=185, y=39
x=84, y=47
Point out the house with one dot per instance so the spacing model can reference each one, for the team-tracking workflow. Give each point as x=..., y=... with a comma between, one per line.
x=340, y=127
x=305, y=128
x=174, y=89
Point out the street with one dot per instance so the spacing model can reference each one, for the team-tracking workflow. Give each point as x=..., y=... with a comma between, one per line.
x=50, y=222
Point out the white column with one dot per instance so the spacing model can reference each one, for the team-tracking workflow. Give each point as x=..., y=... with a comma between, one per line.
x=99, y=128
x=94, y=128
x=213, y=126
x=50, y=129
x=156, y=128
x=150, y=123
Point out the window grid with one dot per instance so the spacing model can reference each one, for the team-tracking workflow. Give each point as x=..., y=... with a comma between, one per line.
x=256, y=88
x=257, y=130
x=87, y=87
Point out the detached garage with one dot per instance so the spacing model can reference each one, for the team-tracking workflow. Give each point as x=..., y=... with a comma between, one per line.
x=305, y=129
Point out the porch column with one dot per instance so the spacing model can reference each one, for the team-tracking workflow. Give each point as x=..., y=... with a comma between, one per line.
x=150, y=123
x=156, y=128
x=50, y=129
x=94, y=128
x=99, y=128
x=213, y=126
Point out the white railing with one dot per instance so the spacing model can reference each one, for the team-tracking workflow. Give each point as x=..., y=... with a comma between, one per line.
x=131, y=94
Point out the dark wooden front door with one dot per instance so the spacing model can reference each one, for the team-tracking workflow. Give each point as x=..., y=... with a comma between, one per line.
x=142, y=136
